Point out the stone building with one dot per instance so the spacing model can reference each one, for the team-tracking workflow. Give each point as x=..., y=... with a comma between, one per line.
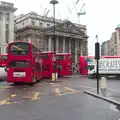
x=6, y=25
x=38, y=30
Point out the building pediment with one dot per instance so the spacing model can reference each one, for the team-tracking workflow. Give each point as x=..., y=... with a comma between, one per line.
x=66, y=27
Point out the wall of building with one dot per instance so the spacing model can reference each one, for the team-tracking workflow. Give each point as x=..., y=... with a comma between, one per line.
x=6, y=25
x=113, y=45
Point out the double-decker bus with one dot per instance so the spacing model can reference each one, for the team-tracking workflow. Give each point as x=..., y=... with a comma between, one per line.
x=64, y=64
x=3, y=60
x=24, y=63
x=48, y=64
x=83, y=64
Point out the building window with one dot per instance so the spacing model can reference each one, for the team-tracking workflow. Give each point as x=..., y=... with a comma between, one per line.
x=115, y=38
x=6, y=49
x=7, y=16
x=1, y=15
x=40, y=24
x=7, y=33
x=33, y=22
x=48, y=25
x=23, y=24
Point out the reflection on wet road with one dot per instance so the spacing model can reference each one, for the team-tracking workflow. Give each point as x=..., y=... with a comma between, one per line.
x=54, y=101
x=17, y=93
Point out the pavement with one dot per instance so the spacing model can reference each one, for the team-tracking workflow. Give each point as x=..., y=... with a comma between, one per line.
x=65, y=100
x=106, y=92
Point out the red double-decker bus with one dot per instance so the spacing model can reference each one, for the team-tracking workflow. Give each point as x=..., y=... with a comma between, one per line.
x=64, y=64
x=24, y=63
x=48, y=64
x=3, y=60
x=83, y=64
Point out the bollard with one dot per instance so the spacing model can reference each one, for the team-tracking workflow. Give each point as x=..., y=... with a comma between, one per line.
x=103, y=86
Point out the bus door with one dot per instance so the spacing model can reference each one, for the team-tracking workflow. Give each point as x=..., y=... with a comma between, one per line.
x=48, y=65
x=38, y=67
x=69, y=64
x=61, y=65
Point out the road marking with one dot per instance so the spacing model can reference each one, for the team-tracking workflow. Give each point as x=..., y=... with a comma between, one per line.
x=114, y=90
x=67, y=93
x=36, y=96
x=70, y=89
x=55, y=85
x=57, y=91
x=6, y=86
x=86, y=87
x=7, y=101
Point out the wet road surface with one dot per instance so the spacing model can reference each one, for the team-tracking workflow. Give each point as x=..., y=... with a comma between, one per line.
x=54, y=101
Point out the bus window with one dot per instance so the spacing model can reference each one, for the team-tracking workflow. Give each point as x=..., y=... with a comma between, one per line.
x=44, y=56
x=19, y=64
x=61, y=57
x=86, y=67
x=3, y=58
x=90, y=67
x=19, y=48
x=69, y=57
x=37, y=67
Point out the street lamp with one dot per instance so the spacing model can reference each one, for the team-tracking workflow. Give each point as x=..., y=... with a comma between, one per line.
x=97, y=57
x=54, y=2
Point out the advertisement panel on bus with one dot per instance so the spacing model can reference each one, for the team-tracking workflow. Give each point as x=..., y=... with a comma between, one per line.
x=24, y=63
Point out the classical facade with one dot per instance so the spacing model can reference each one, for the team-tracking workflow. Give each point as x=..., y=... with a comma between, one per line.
x=38, y=30
x=6, y=25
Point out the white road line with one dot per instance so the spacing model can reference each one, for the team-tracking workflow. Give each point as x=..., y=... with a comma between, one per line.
x=86, y=87
x=113, y=90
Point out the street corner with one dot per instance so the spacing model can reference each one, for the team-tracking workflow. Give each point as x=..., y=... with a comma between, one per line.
x=104, y=94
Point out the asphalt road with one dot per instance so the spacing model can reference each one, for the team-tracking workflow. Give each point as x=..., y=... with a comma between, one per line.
x=54, y=101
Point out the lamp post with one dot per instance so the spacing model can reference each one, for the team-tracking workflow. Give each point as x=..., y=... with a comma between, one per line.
x=54, y=2
x=97, y=57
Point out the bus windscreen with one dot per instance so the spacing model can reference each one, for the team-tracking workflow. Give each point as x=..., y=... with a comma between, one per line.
x=19, y=48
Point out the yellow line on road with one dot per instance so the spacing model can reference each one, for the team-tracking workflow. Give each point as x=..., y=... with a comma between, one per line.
x=57, y=91
x=36, y=96
x=70, y=89
x=67, y=93
x=6, y=86
x=7, y=101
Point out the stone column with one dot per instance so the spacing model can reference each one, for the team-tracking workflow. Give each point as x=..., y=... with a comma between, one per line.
x=3, y=40
x=49, y=43
x=29, y=39
x=81, y=48
x=70, y=45
x=11, y=27
x=76, y=46
x=63, y=44
x=57, y=44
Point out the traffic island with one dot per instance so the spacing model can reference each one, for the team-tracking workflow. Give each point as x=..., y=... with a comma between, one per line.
x=108, y=95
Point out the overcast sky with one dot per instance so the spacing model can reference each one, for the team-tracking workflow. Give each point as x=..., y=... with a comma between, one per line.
x=102, y=16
